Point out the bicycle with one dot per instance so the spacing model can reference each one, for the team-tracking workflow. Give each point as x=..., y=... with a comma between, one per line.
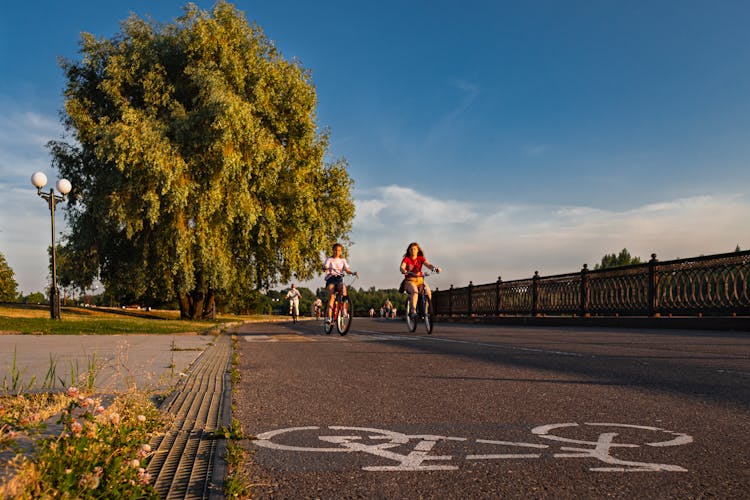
x=341, y=313
x=425, y=311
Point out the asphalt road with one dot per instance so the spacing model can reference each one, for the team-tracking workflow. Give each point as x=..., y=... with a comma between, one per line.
x=489, y=412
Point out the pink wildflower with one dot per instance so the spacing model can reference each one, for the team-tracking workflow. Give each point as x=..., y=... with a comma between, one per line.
x=143, y=476
x=99, y=409
x=76, y=428
x=114, y=418
x=73, y=392
x=144, y=451
x=141, y=418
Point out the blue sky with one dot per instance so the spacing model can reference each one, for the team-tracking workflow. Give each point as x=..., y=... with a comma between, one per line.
x=506, y=137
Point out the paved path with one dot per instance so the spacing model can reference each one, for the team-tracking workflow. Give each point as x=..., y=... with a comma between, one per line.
x=487, y=412
x=148, y=362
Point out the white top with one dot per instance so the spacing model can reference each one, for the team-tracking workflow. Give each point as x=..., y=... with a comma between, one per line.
x=335, y=266
x=293, y=294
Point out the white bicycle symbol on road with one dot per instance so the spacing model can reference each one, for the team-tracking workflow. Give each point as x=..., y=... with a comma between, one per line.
x=382, y=443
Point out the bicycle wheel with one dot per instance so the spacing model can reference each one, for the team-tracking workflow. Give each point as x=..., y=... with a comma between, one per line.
x=411, y=323
x=344, y=319
x=429, y=315
x=328, y=325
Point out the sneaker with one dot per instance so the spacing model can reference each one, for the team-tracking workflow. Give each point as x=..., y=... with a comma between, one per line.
x=412, y=316
x=328, y=321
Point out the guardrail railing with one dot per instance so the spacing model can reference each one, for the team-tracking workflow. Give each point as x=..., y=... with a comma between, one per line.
x=712, y=285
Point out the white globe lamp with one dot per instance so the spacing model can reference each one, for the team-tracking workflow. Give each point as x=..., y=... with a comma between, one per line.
x=63, y=186
x=39, y=180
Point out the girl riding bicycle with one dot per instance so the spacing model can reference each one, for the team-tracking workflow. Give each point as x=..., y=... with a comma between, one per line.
x=335, y=267
x=411, y=267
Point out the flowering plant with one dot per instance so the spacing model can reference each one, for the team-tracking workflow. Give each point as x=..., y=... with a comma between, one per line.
x=99, y=451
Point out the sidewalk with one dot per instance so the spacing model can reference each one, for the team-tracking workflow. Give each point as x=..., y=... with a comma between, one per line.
x=189, y=462
x=148, y=362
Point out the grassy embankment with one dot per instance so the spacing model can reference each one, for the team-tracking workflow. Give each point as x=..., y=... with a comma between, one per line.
x=32, y=319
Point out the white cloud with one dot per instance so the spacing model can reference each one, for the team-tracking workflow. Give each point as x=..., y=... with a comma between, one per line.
x=23, y=135
x=382, y=205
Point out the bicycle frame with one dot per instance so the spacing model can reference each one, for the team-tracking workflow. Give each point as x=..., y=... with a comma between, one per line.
x=423, y=309
x=341, y=310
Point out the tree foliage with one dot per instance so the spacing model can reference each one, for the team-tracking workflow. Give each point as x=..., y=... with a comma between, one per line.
x=615, y=260
x=35, y=298
x=8, y=285
x=197, y=163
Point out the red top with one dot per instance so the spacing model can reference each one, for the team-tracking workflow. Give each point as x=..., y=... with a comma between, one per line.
x=414, y=265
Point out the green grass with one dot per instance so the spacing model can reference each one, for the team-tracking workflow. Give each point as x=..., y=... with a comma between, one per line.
x=34, y=319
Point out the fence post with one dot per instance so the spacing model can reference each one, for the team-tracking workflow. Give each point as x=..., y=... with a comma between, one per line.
x=450, y=301
x=497, y=296
x=535, y=294
x=653, y=281
x=585, y=291
x=471, y=285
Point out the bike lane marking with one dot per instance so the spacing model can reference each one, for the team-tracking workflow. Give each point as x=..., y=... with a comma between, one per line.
x=385, y=336
x=601, y=449
x=511, y=348
x=503, y=456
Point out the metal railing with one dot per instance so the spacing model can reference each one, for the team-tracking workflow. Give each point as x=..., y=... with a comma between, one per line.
x=712, y=285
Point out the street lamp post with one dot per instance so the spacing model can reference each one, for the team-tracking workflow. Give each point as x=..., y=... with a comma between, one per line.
x=39, y=180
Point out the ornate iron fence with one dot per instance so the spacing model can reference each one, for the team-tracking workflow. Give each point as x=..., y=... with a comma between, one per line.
x=713, y=285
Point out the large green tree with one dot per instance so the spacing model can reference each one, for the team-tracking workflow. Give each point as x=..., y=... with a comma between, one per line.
x=8, y=285
x=197, y=162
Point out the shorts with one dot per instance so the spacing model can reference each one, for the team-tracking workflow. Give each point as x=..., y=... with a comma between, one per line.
x=415, y=280
x=336, y=281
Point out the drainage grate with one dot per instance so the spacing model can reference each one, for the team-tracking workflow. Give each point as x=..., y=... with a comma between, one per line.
x=183, y=465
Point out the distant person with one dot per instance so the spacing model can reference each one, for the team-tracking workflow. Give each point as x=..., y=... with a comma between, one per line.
x=293, y=297
x=317, y=308
x=411, y=268
x=335, y=268
x=387, y=307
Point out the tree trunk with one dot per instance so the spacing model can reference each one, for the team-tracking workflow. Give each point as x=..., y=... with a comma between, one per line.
x=184, y=301
x=209, y=308
x=191, y=304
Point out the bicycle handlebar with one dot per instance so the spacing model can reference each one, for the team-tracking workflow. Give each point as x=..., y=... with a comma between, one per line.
x=424, y=274
x=340, y=274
